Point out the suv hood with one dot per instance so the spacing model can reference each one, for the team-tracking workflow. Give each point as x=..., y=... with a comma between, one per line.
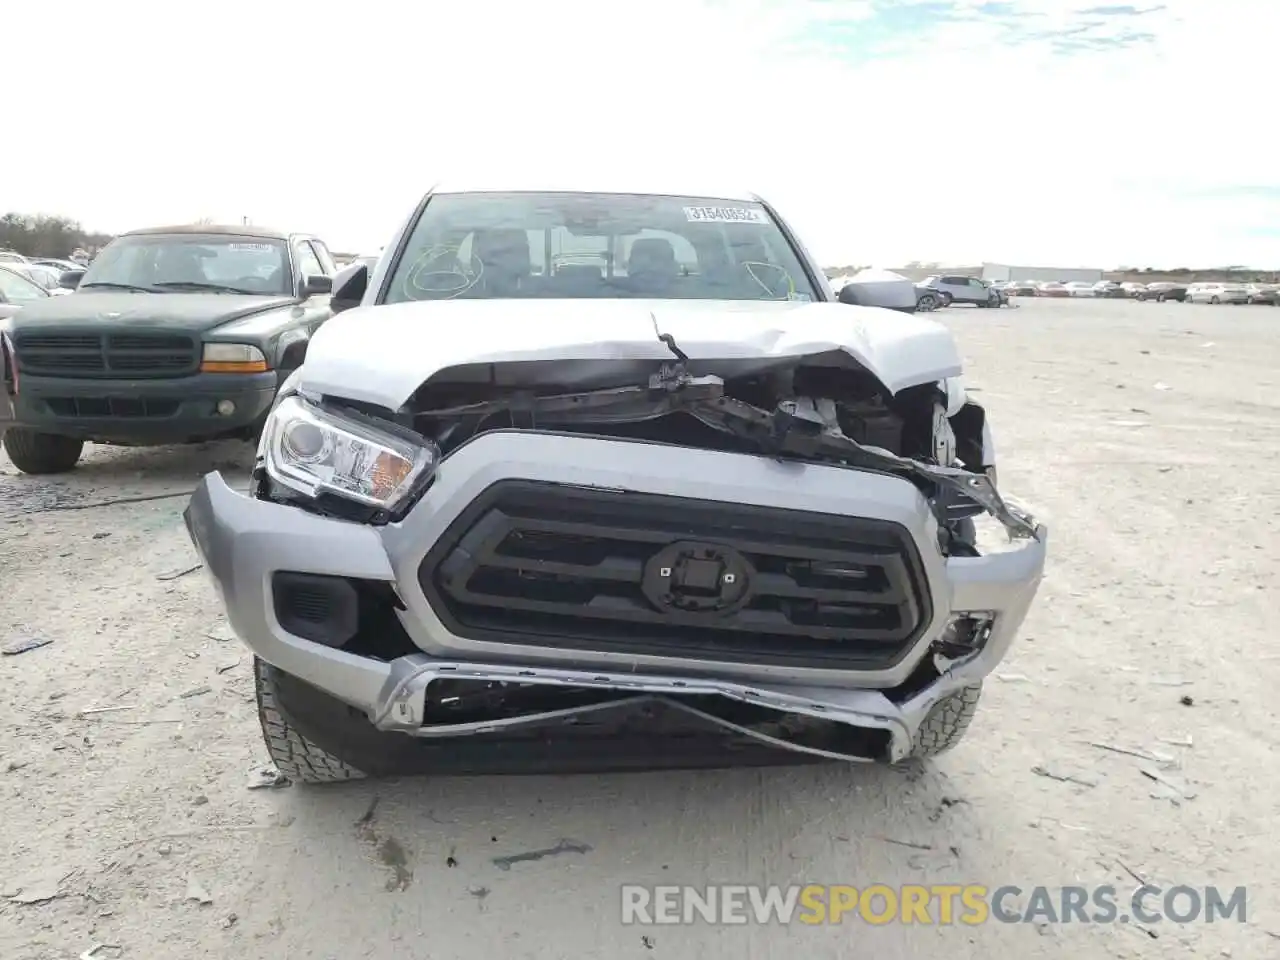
x=382, y=354
x=179, y=312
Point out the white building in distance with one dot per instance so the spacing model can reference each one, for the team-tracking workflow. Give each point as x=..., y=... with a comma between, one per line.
x=1001, y=271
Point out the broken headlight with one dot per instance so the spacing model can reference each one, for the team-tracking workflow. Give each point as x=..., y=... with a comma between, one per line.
x=314, y=451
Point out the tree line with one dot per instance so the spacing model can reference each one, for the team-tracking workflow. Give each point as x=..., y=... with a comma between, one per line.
x=38, y=235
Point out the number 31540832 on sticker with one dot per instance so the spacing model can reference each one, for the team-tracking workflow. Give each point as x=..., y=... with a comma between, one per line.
x=725, y=215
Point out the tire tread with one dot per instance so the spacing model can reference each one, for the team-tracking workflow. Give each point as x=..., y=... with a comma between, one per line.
x=296, y=757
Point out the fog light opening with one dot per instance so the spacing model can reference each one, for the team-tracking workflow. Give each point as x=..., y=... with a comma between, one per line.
x=226, y=408
x=966, y=633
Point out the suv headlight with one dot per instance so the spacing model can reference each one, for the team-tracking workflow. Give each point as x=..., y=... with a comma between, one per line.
x=314, y=451
x=232, y=358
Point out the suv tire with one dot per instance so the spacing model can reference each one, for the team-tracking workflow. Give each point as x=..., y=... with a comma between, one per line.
x=296, y=757
x=947, y=722
x=41, y=453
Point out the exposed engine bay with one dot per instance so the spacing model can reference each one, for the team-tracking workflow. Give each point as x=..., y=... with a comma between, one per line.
x=799, y=411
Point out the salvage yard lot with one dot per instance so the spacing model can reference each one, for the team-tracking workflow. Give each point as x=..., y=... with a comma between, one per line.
x=1144, y=433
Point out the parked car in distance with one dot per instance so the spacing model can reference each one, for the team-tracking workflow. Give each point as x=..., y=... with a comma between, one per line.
x=1162, y=290
x=1133, y=289
x=954, y=289
x=1268, y=293
x=1079, y=288
x=17, y=290
x=1110, y=289
x=60, y=265
x=46, y=276
x=1022, y=288
x=1218, y=293
x=174, y=335
x=1052, y=288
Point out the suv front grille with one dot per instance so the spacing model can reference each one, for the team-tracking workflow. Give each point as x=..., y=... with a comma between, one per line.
x=133, y=355
x=560, y=566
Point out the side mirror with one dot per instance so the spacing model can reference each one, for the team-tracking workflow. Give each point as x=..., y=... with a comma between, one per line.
x=70, y=279
x=349, y=287
x=849, y=295
x=316, y=284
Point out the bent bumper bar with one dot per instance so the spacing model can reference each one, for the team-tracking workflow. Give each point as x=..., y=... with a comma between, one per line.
x=244, y=542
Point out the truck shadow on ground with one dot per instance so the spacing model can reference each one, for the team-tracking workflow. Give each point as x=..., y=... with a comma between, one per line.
x=158, y=464
x=594, y=832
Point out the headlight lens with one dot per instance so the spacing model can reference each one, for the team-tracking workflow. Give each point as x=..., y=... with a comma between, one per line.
x=232, y=358
x=313, y=451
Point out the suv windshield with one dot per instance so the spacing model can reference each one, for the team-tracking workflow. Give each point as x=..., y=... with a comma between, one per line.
x=591, y=245
x=192, y=262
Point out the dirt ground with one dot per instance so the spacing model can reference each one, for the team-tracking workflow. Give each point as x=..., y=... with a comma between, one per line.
x=1139, y=430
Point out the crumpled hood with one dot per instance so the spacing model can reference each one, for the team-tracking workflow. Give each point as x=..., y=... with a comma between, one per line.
x=179, y=312
x=382, y=354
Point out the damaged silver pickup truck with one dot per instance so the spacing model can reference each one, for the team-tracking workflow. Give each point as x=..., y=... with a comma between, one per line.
x=587, y=481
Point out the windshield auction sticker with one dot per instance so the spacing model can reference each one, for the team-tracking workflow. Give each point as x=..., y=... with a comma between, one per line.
x=725, y=215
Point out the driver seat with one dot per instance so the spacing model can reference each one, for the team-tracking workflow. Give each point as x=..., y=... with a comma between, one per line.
x=651, y=266
x=504, y=253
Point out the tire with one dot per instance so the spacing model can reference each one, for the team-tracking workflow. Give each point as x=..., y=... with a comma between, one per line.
x=1141, y=296
x=946, y=724
x=41, y=453
x=1214, y=299
x=927, y=302
x=946, y=299
x=296, y=757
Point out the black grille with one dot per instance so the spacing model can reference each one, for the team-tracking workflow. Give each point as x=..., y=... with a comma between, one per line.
x=551, y=565
x=120, y=408
x=137, y=355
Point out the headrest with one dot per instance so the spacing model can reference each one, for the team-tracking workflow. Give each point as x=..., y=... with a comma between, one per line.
x=651, y=252
x=506, y=247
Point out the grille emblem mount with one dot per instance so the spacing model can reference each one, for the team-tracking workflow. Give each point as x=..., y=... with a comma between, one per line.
x=691, y=577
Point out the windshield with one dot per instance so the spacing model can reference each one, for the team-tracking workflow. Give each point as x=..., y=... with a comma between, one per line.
x=193, y=262
x=589, y=245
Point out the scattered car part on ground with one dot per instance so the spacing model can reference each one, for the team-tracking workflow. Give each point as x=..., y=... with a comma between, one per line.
x=174, y=335
x=506, y=516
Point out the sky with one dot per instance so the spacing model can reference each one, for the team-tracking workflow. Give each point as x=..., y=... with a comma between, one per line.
x=1032, y=132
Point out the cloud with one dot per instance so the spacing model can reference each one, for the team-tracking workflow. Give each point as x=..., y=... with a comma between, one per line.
x=1043, y=130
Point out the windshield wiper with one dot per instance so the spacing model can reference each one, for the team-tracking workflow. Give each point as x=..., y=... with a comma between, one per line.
x=117, y=286
x=198, y=285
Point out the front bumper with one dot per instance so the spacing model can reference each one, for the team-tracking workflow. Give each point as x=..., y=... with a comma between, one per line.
x=145, y=412
x=244, y=542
